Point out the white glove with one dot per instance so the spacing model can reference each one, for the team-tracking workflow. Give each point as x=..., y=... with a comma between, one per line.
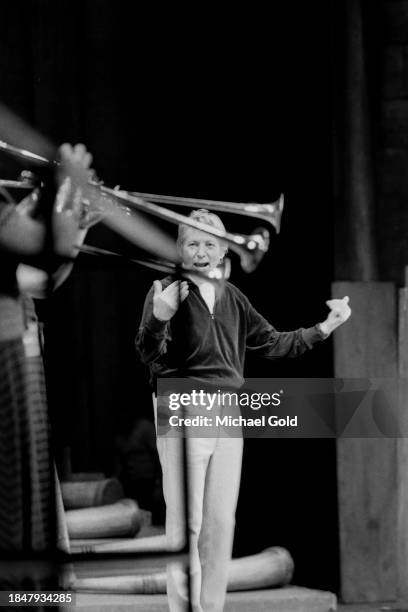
x=340, y=311
x=166, y=301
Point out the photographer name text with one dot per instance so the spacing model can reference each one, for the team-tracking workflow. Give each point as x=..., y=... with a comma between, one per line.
x=230, y=421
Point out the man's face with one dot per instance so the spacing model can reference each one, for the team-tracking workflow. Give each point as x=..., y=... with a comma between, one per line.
x=200, y=251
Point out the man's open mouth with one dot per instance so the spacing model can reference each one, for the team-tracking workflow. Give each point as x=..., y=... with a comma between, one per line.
x=201, y=264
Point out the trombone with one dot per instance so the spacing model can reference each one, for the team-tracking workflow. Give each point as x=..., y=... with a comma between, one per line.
x=250, y=248
x=271, y=213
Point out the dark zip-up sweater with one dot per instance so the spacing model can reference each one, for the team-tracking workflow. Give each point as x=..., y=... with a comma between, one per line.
x=211, y=347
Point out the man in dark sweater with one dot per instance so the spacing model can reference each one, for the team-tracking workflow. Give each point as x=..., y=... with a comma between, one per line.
x=201, y=330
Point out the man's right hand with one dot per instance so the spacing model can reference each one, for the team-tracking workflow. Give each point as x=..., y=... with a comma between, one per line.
x=72, y=178
x=166, y=301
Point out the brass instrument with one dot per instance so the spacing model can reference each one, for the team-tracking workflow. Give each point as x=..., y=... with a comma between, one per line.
x=250, y=248
x=271, y=212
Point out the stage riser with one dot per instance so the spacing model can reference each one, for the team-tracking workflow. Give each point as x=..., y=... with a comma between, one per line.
x=288, y=599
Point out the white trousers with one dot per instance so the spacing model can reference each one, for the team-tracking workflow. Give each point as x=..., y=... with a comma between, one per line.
x=214, y=471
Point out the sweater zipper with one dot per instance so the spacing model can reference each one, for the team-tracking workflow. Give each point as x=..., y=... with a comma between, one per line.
x=212, y=316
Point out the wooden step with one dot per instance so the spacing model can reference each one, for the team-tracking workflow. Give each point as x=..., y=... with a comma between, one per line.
x=286, y=599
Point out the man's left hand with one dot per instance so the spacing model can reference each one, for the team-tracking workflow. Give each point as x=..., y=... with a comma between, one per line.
x=340, y=311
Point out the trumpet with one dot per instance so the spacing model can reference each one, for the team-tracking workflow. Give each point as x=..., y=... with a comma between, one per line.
x=108, y=202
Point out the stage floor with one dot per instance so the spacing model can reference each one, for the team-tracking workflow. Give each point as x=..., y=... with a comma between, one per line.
x=286, y=599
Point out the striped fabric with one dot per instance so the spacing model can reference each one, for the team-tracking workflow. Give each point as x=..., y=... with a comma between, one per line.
x=26, y=491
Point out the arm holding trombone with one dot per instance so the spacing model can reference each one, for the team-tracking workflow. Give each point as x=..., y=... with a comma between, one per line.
x=24, y=233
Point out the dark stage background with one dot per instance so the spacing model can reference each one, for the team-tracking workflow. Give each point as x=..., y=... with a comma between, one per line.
x=226, y=105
